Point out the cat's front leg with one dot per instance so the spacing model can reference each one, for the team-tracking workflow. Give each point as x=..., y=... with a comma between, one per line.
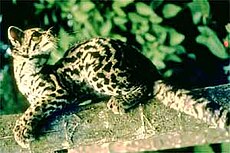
x=27, y=123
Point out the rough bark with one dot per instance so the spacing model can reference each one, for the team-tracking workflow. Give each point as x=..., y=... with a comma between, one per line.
x=149, y=126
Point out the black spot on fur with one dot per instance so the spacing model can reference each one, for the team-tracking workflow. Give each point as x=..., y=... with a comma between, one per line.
x=122, y=74
x=97, y=68
x=99, y=85
x=79, y=54
x=108, y=66
x=50, y=88
x=70, y=60
x=114, y=85
x=100, y=75
x=89, y=73
x=41, y=84
x=81, y=67
x=106, y=81
x=113, y=78
x=87, y=66
x=87, y=47
x=95, y=54
x=53, y=95
x=228, y=119
x=75, y=71
x=60, y=91
x=101, y=58
x=118, y=55
x=37, y=108
x=109, y=88
x=95, y=79
x=107, y=52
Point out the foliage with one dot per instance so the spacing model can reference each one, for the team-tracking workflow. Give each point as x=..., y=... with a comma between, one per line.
x=140, y=26
x=138, y=23
x=200, y=11
x=210, y=39
x=134, y=22
x=214, y=148
x=9, y=102
x=226, y=44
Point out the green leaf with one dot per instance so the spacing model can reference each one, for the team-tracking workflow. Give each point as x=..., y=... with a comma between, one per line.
x=228, y=27
x=155, y=19
x=50, y=2
x=158, y=59
x=160, y=32
x=171, y=10
x=203, y=148
x=86, y=6
x=80, y=16
x=168, y=73
x=120, y=22
x=54, y=17
x=200, y=10
x=225, y=147
x=140, y=28
x=14, y=2
x=192, y=56
x=149, y=37
x=179, y=49
x=209, y=39
x=39, y=8
x=206, y=31
x=118, y=11
x=119, y=37
x=174, y=58
x=106, y=28
x=97, y=16
x=46, y=20
x=122, y=3
x=140, y=39
x=134, y=17
x=143, y=9
x=175, y=37
x=156, y=3
x=166, y=49
x=89, y=27
x=65, y=37
x=197, y=17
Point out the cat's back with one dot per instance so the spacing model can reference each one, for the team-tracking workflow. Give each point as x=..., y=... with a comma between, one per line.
x=108, y=64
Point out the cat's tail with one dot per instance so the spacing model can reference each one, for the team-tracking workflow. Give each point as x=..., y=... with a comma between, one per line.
x=184, y=101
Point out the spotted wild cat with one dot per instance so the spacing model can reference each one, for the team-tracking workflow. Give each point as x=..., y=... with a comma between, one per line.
x=97, y=67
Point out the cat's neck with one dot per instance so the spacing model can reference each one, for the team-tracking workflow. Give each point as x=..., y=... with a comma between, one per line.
x=32, y=66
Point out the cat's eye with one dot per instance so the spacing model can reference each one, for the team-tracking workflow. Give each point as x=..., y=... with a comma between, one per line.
x=36, y=36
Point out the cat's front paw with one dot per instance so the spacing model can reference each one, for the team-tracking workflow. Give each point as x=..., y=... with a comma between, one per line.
x=23, y=134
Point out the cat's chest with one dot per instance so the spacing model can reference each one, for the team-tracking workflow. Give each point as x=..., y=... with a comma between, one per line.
x=31, y=82
x=32, y=86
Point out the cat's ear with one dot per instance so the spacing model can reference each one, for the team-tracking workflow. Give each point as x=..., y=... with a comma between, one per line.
x=15, y=35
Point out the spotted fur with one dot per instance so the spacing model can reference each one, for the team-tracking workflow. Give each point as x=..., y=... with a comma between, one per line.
x=95, y=68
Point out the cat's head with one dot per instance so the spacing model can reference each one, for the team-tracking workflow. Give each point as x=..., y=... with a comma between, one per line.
x=31, y=43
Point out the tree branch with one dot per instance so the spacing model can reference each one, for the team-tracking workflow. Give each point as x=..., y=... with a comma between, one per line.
x=150, y=126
